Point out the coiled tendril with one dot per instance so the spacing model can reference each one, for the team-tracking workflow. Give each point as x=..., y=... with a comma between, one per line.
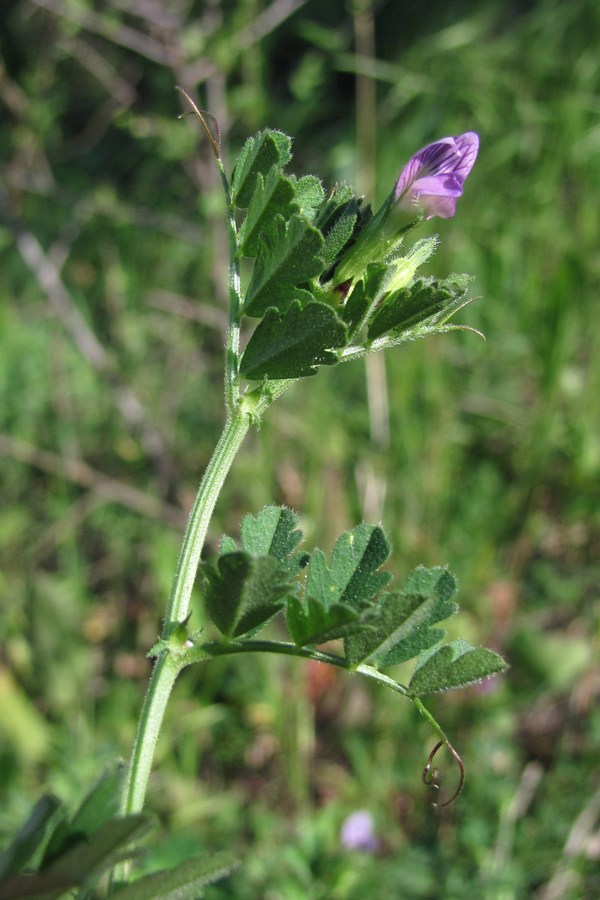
x=430, y=774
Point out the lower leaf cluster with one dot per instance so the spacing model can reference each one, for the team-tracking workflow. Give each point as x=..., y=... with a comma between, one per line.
x=54, y=854
x=343, y=598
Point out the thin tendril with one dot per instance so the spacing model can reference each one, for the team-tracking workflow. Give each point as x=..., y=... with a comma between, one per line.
x=430, y=775
x=203, y=115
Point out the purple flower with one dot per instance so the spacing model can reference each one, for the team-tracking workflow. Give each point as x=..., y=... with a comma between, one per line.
x=358, y=832
x=433, y=178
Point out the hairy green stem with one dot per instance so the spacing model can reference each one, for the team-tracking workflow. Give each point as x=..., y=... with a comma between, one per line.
x=166, y=668
x=236, y=428
x=232, y=353
x=216, y=648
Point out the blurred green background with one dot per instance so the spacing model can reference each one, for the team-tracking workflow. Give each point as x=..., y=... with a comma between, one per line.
x=483, y=455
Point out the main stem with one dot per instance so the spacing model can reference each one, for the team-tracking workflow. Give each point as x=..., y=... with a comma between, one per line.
x=166, y=668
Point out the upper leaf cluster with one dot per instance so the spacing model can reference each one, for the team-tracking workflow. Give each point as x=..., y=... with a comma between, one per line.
x=344, y=597
x=298, y=238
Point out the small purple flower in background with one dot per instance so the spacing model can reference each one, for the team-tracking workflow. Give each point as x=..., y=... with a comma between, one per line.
x=358, y=832
x=433, y=178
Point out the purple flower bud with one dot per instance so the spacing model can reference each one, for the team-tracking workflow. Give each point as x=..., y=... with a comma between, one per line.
x=433, y=178
x=358, y=832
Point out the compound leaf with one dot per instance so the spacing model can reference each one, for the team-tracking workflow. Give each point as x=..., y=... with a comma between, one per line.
x=293, y=344
x=452, y=666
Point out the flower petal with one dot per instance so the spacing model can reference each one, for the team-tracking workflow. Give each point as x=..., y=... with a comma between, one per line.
x=434, y=176
x=358, y=832
x=442, y=207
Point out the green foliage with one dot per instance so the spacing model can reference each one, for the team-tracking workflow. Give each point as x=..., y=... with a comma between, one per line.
x=401, y=621
x=336, y=220
x=342, y=599
x=288, y=257
x=309, y=195
x=183, y=882
x=269, y=150
x=30, y=836
x=456, y=665
x=353, y=577
x=302, y=242
x=312, y=622
x=365, y=293
x=274, y=532
x=273, y=196
x=68, y=852
x=425, y=301
x=244, y=592
x=492, y=461
x=292, y=344
x=80, y=861
x=100, y=806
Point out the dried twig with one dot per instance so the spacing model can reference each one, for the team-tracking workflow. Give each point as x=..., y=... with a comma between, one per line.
x=109, y=489
x=107, y=27
x=41, y=265
x=584, y=834
x=262, y=25
x=206, y=314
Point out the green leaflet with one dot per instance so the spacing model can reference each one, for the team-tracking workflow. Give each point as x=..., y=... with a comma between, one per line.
x=310, y=621
x=100, y=804
x=292, y=344
x=243, y=592
x=363, y=295
x=266, y=150
x=401, y=621
x=336, y=221
x=30, y=836
x=452, y=666
x=353, y=577
x=288, y=256
x=183, y=882
x=336, y=594
x=425, y=299
x=274, y=195
x=273, y=532
x=85, y=858
x=308, y=194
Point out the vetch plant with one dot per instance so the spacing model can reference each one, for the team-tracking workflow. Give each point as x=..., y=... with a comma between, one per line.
x=329, y=283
